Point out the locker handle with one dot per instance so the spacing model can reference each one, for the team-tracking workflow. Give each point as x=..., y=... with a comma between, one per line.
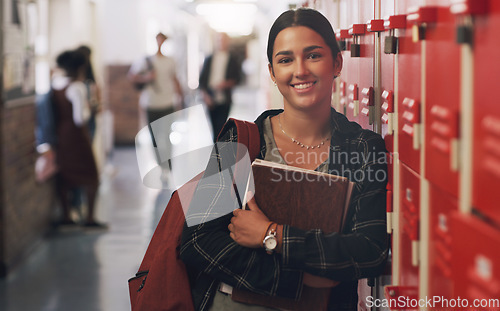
x=455, y=155
x=469, y=7
x=375, y=25
x=415, y=253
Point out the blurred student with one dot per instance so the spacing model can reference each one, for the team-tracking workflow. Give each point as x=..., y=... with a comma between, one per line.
x=161, y=90
x=74, y=156
x=219, y=75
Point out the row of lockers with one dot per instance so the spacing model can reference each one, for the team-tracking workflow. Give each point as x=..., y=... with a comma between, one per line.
x=424, y=75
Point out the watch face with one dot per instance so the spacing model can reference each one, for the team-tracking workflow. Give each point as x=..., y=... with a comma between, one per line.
x=270, y=242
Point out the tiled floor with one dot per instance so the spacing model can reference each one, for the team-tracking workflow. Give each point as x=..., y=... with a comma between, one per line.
x=77, y=270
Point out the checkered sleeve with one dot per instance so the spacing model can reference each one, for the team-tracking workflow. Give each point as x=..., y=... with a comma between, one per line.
x=207, y=246
x=360, y=251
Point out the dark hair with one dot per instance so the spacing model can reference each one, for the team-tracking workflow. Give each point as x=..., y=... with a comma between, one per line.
x=303, y=17
x=71, y=62
x=89, y=73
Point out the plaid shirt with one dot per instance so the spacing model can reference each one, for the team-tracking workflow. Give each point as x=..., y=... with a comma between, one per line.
x=360, y=251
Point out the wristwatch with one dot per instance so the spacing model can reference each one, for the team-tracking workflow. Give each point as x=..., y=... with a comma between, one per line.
x=270, y=242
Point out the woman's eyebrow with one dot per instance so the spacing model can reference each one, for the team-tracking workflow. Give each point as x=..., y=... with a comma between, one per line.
x=306, y=49
x=283, y=53
x=312, y=47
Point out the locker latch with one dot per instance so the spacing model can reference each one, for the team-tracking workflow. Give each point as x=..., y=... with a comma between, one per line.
x=356, y=31
x=421, y=17
x=393, y=23
x=465, y=10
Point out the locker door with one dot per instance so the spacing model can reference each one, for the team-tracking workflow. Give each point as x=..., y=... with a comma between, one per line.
x=442, y=205
x=476, y=259
x=388, y=50
x=409, y=219
x=442, y=91
x=486, y=155
x=409, y=91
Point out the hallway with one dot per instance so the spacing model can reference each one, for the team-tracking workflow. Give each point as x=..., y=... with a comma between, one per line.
x=81, y=270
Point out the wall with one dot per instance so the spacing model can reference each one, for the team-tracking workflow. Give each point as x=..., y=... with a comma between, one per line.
x=25, y=206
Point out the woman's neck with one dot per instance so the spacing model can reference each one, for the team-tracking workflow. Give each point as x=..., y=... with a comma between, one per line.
x=305, y=125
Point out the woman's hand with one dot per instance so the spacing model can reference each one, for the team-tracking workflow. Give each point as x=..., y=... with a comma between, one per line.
x=248, y=227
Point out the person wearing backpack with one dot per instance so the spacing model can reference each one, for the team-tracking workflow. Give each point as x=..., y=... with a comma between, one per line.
x=224, y=250
x=155, y=77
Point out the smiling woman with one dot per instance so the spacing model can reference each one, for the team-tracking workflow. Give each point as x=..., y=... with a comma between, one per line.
x=234, y=250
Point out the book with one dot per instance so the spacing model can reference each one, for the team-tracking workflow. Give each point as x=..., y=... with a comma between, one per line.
x=304, y=199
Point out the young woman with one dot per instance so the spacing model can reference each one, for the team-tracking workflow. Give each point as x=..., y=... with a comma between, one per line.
x=74, y=156
x=228, y=251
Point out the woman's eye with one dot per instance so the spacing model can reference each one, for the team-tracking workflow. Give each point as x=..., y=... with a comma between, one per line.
x=284, y=61
x=314, y=56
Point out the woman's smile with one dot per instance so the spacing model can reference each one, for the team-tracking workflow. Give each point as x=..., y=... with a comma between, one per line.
x=303, y=86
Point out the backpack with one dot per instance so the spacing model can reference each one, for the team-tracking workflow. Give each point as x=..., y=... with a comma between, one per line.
x=162, y=283
x=149, y=67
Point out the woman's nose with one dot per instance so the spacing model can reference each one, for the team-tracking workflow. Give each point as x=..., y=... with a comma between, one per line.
x=301, y=68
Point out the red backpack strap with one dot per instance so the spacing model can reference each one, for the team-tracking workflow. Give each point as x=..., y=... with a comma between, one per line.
x=249, y=135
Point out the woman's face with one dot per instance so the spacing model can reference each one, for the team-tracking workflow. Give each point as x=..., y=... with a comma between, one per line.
x=303, y=68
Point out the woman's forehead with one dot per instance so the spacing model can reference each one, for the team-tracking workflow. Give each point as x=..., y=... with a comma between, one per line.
x=298, y=36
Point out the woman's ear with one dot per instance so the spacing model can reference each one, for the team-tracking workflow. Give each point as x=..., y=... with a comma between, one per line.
x=271, y=72
x=338, y=63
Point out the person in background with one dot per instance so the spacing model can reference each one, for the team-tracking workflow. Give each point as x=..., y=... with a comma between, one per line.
x=161, y=94
x=92, y=89
x=74, y=155
x=219, y=75
x=162, y=91
x=229, y=251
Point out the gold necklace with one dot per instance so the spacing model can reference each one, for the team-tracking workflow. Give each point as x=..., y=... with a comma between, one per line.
x=298, y=142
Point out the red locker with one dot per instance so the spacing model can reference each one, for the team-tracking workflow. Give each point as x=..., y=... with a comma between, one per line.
x=409, y=220
x=476, y=260
x=442, y=101
x=409, y=91
x=442, y=205
x=486, y=156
